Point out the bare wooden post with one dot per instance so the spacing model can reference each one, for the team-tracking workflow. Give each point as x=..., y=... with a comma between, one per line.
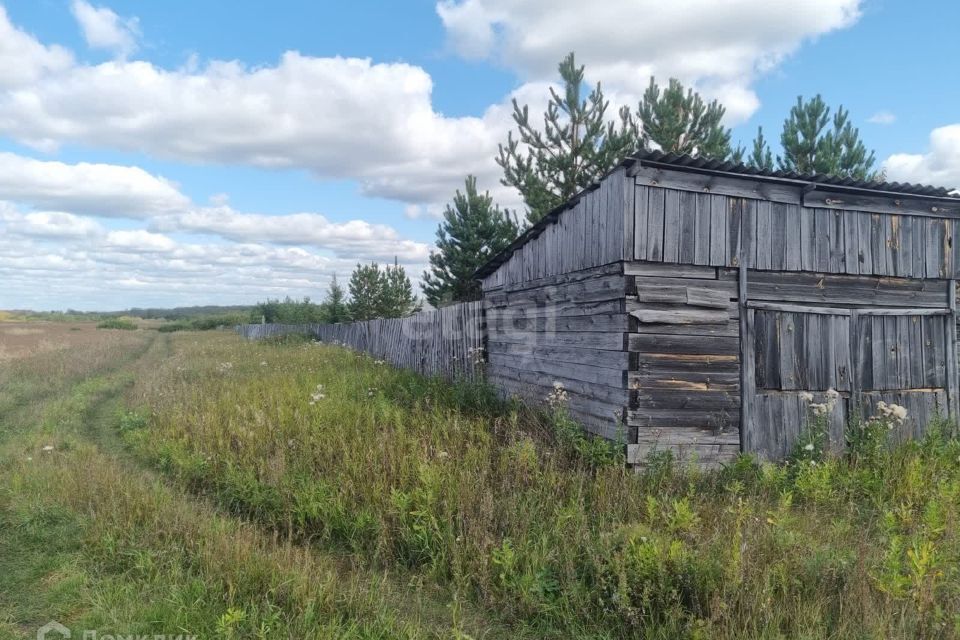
x=746, y=354
x=952, y=353
x=853, y=410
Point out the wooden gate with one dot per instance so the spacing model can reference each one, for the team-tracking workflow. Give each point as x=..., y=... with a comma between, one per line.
x=800, y=360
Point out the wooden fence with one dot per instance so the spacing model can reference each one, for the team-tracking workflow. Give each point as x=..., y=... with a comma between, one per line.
x=447, y=342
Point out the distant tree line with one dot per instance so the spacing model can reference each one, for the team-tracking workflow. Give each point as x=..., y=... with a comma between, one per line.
x=577, y=143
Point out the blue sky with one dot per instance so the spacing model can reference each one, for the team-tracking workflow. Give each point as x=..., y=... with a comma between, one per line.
x=180, y=153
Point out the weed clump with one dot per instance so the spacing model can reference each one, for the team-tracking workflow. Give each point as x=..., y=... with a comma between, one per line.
x=118, y=323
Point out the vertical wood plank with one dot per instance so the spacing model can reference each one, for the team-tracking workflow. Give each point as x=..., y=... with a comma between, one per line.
x=807, y=240
x=735, y=231
x=701, y=252
x=792, y=238
x=640, y=223
x=851, y=245
x=629, y=220
x=951, y=336
x=671, y=226
x=655, y=224
x=688, y=227
x=764, y=238
x=747, y=381
x=719, y=231
x=779, y=233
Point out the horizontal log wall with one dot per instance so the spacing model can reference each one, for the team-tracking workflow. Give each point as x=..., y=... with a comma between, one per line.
x=566, y=330
x=589, y=233
x=687, y=225
x=684, y=346
x=446, y=342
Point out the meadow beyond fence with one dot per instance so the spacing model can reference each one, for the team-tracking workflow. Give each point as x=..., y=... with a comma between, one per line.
x=446, y=342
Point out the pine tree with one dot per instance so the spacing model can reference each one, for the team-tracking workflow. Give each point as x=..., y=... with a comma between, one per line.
x=810, y=147
x=380, y=293
x=761, y=157
x=679, y=121
x=366, y=292
x=397, y=299
x=474, y=230
x=335, y=305
x=575, y=148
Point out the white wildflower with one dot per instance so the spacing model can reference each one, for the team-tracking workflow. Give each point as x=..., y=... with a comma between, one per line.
x=895, y=413
x=809, y=447
x=806, y=396
x=820, y=409
x=48, y=447
x=558, y=396
x=317, y=395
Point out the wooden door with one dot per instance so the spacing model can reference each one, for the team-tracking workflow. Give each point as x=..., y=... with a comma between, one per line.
x=841, y=362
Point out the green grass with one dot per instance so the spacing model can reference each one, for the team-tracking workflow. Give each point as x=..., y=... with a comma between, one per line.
x=512, y=512
x=92, y=539
x=197, y=483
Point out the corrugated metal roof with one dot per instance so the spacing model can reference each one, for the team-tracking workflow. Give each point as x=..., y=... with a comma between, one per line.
x=683, y=162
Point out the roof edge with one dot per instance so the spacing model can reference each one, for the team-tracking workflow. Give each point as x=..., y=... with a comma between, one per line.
x=690, y=164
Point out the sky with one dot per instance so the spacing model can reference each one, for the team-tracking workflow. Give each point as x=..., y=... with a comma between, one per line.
x=178, y=153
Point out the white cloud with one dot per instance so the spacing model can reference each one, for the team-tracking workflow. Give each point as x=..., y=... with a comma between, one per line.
x=138, y=269
x=104, y=29
x=23, y=59
x=112, y=191
x=939, y=166
x=720, y=47
x=96, y=189
x=138, y=241
x=337, y=117
x=51, y=224
x=882, y=117
x=356, y=238
x=350, y=118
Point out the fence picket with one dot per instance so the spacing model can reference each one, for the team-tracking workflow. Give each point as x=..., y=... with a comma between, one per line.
x=444, y=342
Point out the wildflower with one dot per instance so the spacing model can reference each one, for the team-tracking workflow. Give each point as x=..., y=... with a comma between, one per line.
x=820, y=409
x=806, y=396
x=809, y=447
x=442, y=454
x=48, y=447
x=895, y=413
x=317, y=395
x=379, y=362
x=558, y=396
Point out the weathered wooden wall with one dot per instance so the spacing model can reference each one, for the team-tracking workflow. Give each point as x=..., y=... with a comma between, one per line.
x=692, y=219
x=684, y=346
x=591, y=232
x=447, y=342
x=867, y=338
x=569, y=330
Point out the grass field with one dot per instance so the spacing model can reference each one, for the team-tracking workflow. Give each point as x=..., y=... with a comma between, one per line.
x=191, y=483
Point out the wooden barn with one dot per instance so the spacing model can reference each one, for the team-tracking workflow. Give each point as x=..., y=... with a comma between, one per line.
x=696, y=306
